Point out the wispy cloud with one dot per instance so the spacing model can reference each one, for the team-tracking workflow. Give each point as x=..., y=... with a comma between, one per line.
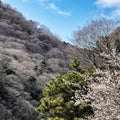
x=49, y=4
x=106, y=4
x=58, y=10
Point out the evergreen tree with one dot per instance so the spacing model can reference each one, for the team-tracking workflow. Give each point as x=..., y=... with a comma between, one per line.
x=63, y=96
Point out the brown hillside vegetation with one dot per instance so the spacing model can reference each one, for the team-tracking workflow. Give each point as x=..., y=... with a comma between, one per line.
x=29, y=57
x=105, y=87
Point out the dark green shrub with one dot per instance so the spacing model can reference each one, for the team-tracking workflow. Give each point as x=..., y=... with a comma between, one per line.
x=32, y=79
x=9, y=71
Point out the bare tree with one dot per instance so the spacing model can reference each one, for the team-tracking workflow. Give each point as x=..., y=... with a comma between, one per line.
x=97, y=37
x=94, y=31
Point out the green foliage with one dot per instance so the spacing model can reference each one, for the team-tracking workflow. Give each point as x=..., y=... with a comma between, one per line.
x=9, y=71
x=55, y=118
x=75, y=65
x=63, y=93
x=31, y=79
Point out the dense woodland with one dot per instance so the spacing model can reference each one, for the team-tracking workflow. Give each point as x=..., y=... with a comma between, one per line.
x=44, y=78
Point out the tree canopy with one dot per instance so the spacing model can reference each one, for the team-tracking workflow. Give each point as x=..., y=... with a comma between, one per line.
x=64, y=96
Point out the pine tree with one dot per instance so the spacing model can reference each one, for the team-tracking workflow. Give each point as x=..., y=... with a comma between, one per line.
x=63, y=96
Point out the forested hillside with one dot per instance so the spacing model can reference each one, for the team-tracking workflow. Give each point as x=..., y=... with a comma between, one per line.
x=30, y=56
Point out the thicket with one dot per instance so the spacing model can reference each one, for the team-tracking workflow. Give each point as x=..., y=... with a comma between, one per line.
x=65, y=95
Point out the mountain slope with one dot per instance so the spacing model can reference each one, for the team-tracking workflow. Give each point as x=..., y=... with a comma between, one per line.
x=29, y=57
x=106, y=84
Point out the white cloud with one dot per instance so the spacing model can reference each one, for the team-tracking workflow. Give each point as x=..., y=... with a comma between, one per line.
x=108, y=3
x=58, y=10
x=46, y=4
x=64, y=13
x=116, y=12
x=53, y=6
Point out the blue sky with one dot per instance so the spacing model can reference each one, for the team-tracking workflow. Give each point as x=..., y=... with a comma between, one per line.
x=62, y=17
